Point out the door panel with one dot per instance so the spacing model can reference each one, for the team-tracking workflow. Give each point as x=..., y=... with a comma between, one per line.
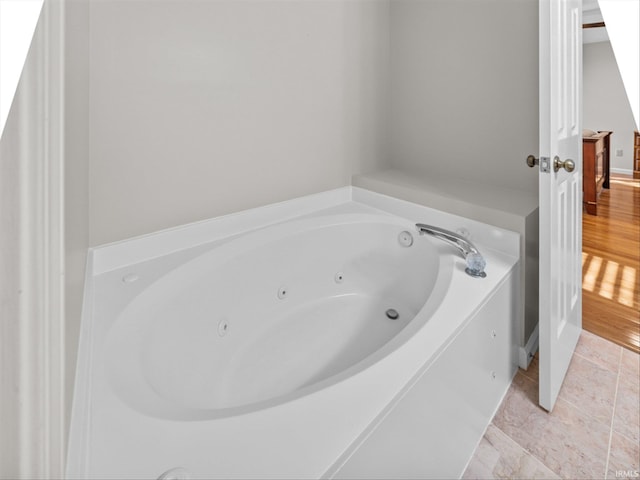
x=560, y=192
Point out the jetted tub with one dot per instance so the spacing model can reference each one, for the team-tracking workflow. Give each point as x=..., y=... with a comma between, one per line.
x=283, y=342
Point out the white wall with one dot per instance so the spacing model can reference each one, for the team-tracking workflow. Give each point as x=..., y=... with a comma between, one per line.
x=464, y=108
x=606, y=106
x=623, y=27
x=464, y=89
x=199, y=109
x=76, y=176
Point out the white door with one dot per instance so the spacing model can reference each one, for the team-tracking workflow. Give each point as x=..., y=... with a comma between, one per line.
x=560, y=191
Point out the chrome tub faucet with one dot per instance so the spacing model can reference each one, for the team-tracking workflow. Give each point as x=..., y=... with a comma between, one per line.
x=475, y=261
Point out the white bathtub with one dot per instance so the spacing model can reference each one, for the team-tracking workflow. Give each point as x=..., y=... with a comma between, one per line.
x=259, y=345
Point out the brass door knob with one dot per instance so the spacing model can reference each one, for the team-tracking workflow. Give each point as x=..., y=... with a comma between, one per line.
x=569, y=165
x=532, y=161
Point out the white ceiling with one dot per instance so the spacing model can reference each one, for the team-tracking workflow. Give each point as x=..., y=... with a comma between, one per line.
x=591, y=14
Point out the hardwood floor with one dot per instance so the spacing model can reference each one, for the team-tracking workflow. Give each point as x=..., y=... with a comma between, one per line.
x=611, y=265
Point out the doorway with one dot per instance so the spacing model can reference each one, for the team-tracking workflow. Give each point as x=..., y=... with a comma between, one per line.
x=611, y=237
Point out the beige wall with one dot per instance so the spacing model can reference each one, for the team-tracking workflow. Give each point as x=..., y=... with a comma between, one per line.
x=606, y=106
x=199, y=109
x=464, y=89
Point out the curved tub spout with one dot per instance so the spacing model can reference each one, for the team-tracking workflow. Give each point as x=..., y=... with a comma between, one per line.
x=475, y=261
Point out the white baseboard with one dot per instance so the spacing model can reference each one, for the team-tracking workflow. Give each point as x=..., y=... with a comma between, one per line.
x=529, y=350
x=622, y=171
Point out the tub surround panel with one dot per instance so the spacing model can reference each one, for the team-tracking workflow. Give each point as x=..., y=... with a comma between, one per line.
x=433, y=429
x=199, y=109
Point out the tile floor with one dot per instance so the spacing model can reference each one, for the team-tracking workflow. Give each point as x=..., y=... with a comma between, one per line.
x=592, y=433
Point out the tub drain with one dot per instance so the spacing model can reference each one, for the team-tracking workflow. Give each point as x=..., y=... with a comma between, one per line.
x=392, y=314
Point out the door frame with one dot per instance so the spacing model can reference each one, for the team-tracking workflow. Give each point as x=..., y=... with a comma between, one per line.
x=34, y=341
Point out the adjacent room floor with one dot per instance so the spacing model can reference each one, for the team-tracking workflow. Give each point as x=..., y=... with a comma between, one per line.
x=611, y=264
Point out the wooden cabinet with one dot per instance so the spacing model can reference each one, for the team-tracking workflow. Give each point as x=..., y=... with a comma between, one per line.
x=595, y=168
x=636, y=154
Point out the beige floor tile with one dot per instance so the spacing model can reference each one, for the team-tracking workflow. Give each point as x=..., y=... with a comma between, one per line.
x=626, y=419
x=498, y=456
x=630, y=365
x=624, y=459
x=525, y=441
x=590, y=387
x=600, y=351
x=568, y=441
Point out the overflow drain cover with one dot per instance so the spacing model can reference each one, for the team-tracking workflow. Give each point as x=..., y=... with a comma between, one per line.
x=392, y=314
